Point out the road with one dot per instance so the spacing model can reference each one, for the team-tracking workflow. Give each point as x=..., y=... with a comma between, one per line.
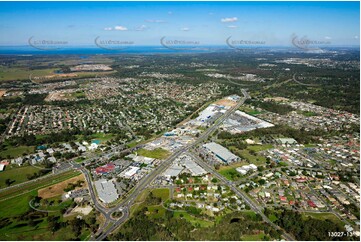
x=126, y=204
x=93, y=196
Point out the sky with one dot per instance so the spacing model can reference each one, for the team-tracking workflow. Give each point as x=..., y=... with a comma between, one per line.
x=208, y=23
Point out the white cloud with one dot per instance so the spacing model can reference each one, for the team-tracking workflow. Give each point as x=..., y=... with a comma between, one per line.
x=327, y=37
x=229, y=20
x=155, y=21
x=108, y=28
x=356, y=37
x=232, y=26
x=120, y=28
x=185, y=29
x=141, y=28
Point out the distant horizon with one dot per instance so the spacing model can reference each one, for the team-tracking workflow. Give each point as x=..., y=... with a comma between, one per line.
x=208, y=45
x=210, y=23
x=147, y=50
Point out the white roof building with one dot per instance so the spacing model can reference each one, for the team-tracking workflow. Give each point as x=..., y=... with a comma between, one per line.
x=131, y=171
x=253, y=166
x=221, y=152
x=106, y=190
x=241, y=171
x=174, y=170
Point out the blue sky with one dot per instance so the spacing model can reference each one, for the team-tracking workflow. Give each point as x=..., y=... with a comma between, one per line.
x=144, y=23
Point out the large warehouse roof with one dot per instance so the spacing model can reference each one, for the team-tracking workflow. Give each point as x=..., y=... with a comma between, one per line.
x=221, y=152
x=106, y=190
x=174, y=170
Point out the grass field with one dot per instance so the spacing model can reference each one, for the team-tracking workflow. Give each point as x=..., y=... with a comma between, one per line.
x=193, y=220
x=249, y=110
x=254, y=159
x=250, y=213
x=253, y=237
x=139, y=202
x=16, y=73
x=17, y=205
x=16, y=174
x=14, y=152
x=103, y=137
x=323, y=216
x=22, y=73
x=98, y=136
x=156, y=153
x=230, y=172
x=163, y=193
x=258, y=148
x=156, y=211
x=78, y=94
x=56, y=205
x=132, y=144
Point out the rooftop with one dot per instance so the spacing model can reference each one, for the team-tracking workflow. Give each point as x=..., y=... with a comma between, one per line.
x=106, y=190
x=221, y=152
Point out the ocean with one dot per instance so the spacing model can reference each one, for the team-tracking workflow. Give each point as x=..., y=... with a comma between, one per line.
x=76, y=50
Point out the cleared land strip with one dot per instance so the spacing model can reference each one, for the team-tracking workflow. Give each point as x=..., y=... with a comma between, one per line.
x=5, y=195
x=35, y=180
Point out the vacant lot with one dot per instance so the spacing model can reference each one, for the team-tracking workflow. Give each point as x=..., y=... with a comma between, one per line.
x=225, y=102
x=324, y=216
x=163, y=193
x=230, y=174
x=156, y=153
x=58, y=189
x=258, y=148
x=16, y=174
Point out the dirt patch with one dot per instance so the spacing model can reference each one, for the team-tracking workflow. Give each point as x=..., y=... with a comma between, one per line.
x=277, y=99
x=83, y=210
x=2, y=93
x=63, y=95
x=55, y=96
x=40, y=79
x=226, y=102
x=58, y=189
